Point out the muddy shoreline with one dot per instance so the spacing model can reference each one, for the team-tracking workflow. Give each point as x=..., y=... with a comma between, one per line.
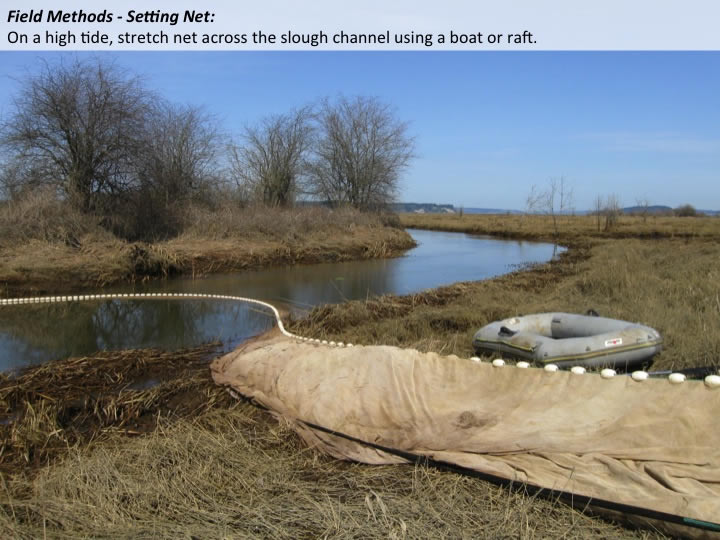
x=49, y=409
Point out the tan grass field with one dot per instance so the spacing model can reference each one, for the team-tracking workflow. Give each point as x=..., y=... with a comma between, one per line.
x=568, y=228
x=113, y=461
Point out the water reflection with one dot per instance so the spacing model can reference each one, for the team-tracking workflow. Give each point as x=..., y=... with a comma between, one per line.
x=37, y=333
x=33, y=334
x=441, y=258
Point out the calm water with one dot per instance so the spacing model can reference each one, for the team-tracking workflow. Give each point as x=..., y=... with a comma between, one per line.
x=34, y=334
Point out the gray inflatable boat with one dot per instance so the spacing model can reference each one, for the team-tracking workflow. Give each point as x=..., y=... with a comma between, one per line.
x=568, y=340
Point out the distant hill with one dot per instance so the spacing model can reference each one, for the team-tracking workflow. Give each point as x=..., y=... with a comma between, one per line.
x=433, y=208
x=655, y=209
x=423, y=208
x=490, y=211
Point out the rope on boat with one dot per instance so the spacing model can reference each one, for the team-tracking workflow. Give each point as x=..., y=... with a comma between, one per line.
x=711, y=381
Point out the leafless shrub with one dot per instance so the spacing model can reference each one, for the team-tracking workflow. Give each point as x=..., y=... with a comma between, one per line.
x=177, y=167
x=556, y=198
x=643, y=207
x=598, y=204
x=272, y=161
x=612, y=211
x=179, y=160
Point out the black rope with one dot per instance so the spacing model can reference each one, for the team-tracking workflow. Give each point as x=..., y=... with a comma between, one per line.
x=691, y=373
x=568, y=497
x=574, y=500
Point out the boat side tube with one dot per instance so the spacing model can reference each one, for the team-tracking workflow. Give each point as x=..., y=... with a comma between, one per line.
x=567, y=340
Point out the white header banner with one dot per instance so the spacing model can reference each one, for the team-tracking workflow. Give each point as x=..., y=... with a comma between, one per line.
x=116, y=25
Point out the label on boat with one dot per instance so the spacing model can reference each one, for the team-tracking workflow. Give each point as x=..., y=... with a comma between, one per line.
x=613, y=342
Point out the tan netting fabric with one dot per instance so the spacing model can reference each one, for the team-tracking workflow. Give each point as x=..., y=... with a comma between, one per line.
x=650, y=444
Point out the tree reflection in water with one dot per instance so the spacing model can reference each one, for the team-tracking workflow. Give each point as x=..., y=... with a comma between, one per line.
x=37, y=333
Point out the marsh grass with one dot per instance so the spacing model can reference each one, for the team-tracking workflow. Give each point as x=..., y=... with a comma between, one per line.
x=569, y=228
x=228, y=221
x=41, y=217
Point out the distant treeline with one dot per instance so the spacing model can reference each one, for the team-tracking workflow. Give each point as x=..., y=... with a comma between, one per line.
x=684, y=210
x=422, y=207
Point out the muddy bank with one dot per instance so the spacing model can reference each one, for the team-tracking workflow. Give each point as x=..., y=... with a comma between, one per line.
x=47, y=410
x=38, y=267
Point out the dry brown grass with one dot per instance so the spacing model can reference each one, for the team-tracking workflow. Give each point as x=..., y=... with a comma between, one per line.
x=229, y=474
x=41, y=217
x=570, y=228
x=289, y=224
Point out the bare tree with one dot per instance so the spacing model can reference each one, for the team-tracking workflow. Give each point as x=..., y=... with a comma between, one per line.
x=598, y=210
x=556, y=199
x=179, y=157
x=643, y=205
x=362, y=151
x=273, y=159
x=612, y=211
x=76, y=126
x=176, y=166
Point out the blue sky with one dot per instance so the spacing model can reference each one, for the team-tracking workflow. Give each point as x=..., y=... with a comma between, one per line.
x=488, y=125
